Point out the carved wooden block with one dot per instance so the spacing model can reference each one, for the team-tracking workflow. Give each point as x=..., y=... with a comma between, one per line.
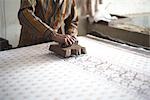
x=75, y=49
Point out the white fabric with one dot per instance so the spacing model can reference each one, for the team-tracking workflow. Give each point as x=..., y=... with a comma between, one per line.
x=103, y=14
x=106, y=72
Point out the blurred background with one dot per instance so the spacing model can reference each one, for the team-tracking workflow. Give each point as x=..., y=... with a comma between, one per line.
x=10, y=27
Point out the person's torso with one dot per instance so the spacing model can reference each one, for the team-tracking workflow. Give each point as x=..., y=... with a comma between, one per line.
x=53, y=12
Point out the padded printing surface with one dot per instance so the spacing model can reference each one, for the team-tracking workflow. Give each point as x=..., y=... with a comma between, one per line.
x=104, y=73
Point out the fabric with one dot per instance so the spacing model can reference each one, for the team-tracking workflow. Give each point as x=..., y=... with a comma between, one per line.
x=106, y=72
x=41, y=18
x=88, y=7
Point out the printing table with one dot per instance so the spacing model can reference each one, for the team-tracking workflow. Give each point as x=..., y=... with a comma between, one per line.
x=107, y=72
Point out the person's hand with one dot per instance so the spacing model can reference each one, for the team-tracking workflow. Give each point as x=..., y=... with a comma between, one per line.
x=75, y=41
x=66, y=40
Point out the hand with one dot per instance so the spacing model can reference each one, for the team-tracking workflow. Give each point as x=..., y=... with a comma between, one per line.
x=75, y=41
x=67, y=40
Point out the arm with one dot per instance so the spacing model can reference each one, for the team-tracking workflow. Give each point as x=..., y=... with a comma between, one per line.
x=71, y=23
x=27, y=18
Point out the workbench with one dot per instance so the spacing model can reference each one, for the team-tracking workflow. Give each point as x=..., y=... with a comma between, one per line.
x=109, y=71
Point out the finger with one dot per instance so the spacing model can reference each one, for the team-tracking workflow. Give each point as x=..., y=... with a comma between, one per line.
x=79, y=52
x=66, y=41
x=75, y=39
x=69, y=42
x=70, y=39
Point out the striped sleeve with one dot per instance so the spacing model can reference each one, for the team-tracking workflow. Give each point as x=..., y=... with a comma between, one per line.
x=71, y=23
x=27, y=18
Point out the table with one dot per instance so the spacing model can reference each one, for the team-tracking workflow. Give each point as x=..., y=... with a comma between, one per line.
x=140, y=24
x=107, y=72
x=137, y=29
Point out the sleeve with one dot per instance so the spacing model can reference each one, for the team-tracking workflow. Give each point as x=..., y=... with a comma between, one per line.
x=71, y=23
x=27, y=17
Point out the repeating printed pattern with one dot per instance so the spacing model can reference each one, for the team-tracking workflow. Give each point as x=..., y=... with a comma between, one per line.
x=105, y=73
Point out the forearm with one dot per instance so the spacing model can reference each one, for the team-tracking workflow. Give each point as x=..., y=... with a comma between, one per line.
x=28, y=18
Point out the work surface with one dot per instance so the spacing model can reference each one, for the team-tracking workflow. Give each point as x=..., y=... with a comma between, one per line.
x=140, y=24
x=106, y=72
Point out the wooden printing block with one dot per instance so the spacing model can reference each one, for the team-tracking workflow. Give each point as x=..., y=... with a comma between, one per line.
x=75, y=49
